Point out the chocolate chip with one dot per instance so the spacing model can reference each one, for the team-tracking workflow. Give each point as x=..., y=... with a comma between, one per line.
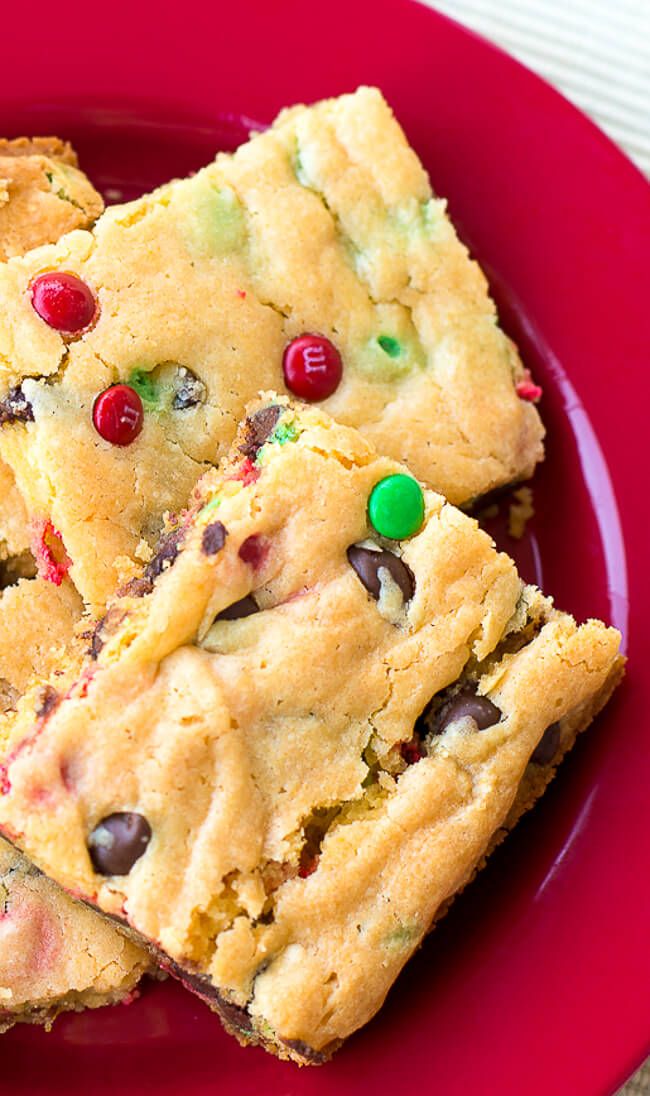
x=467, y=705
x=168, y=549
x=245, y=607
x=214, y=538
x=547, y=746
x=303, y=1050
x=49, y=699
x=189, y=390
x=15, y=407
x=118, y=841
x=258, y=428
x=136, y=587
x=367, y=563
x=96, y=640
x=107, y=626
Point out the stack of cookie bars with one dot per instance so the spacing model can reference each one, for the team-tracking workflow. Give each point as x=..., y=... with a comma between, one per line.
x=271, y=697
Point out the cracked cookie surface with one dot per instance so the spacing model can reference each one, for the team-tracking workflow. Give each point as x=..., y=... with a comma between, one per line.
x=43, y=195
x=294, y=739
x=41, y=972
x=55, y=955
x=324, y=226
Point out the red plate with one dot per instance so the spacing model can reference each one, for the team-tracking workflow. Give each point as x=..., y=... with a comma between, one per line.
x=539, y=981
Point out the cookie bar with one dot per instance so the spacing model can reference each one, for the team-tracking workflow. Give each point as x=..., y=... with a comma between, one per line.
x=314, y=258
x=42, y=972
x=55, y=955
x=15, y=536
x=43, y=194
x=36, y=619
x=300, y=729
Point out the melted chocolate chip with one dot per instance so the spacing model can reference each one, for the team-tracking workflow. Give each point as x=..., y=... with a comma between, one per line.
x=96, y=640
x=168, y=549
x=316, y=1057
x=547, y=746
x=105, y=627
x=189, y=390
x=49, y=700
x=467, y=705
x=258, y=428
x=233, y=1015
x=118, y=841
x=15, y=407
x=367, y=563
x=246, y=606
x=424, y=722
x=136, y=587
x=214, y=538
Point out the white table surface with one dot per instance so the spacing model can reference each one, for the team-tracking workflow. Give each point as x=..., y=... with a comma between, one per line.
x=597, y=52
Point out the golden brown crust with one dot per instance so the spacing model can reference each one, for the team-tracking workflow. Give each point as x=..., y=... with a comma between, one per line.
x=51, y=147
x=43, y=194
x=56, y=956
x=37, y=618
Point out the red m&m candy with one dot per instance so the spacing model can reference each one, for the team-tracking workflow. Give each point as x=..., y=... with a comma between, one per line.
x=118, y=414
x=312, y=367
x=526, y=388
x=64, y=301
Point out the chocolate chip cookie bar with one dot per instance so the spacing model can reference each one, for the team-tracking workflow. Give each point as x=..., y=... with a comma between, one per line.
x=55, y=955
x=300, y=729
x=36, y=619
x=43, y=194
x=315, y=260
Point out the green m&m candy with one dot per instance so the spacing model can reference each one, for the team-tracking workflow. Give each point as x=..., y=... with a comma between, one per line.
x=396, y=507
